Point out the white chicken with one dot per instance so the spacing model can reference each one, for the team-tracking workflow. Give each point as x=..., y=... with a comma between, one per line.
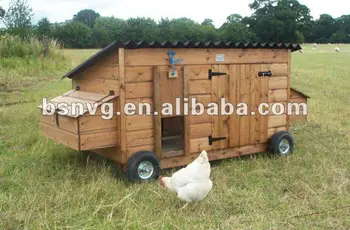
x=191, y=183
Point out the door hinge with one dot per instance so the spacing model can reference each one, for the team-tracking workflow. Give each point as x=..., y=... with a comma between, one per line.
x=213, y=139
x=265, y=74
x=212, y=74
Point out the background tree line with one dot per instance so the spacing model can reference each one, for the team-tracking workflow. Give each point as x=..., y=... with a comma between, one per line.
x=272, y=21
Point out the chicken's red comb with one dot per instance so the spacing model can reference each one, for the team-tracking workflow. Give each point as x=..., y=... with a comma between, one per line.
x=160, y=181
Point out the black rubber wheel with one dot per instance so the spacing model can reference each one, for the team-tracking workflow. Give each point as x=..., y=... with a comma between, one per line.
x=281, y=143
x=142, y=166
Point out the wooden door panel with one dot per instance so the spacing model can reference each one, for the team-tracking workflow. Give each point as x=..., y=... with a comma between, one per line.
x=233, y=120
x=255, y=86
x=224, y=93
x=220, y=89
x=244, y=97
x=197, y=86
x=241, y=84
x=215, y=98
x=171, y=88
x=245, y=86
x=264, y=94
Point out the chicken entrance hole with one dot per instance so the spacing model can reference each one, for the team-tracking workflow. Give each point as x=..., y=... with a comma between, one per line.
x=173, y=136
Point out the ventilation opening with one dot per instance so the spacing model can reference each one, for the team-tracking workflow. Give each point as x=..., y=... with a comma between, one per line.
x=173, y=136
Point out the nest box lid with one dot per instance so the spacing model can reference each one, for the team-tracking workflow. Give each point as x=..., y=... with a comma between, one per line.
x=75, y=96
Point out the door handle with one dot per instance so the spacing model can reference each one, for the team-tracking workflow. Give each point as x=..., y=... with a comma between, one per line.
x=265, y=74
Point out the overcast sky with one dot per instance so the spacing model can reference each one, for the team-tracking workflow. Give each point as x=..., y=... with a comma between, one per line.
x=217, y=10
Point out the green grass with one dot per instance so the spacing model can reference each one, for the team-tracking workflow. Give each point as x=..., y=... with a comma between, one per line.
x=44, y=185
x=23, y=65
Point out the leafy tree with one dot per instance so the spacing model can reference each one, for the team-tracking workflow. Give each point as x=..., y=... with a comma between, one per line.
x=272, y=20
x=19, y=16
x=208, y=33
x=208, y=22
x=270, y=29
x=234, y=18
x=75, y=35
x=2, y=12
x=299, y=37
x=324, y=28
x=262, y=4
x=44, y=27
x=184, y=29
x=109, y=29
x=87, y=17
x=308, y=31
x=164, y=29
x=287, y=16
x=142, y=29
x=342, y=25
x=234, y=30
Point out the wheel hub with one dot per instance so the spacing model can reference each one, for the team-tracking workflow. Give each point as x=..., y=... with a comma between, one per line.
x=284, y=146
x=145, y=170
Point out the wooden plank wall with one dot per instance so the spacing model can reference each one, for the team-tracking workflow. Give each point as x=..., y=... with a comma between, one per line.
x=171, y=88
x=86, y=132
x=82, y=133
x=278, y=87
x=200, y=127
x=60, y=136
x=187, y=121
x=159, y=57
x=244, y=86
x=213, y=155
x=247, y=87
x=139, y=129
x=99, y=139
x=102, y=77
x=296, y=97
x=223, y=85
x=242, y=64
x=289, y=70
x=157, y=119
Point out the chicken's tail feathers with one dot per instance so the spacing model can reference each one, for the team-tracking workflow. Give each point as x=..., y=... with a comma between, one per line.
x=204, y=155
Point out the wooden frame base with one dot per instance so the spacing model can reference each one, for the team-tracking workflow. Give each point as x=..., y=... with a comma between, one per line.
x=184, y=160
x=213, y=155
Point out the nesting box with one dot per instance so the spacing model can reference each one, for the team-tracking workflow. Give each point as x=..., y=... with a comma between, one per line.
x=146, y=73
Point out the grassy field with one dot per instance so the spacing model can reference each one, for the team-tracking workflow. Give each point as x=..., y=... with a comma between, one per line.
x=44, y=185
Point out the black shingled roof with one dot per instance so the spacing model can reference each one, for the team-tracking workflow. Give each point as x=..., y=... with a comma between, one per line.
x=189, y=44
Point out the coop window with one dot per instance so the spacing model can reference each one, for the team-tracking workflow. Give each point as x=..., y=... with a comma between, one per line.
x=173, y=135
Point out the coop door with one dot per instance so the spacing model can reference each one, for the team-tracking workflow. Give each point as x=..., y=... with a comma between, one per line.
x=246, y=86
x=234, y=84
x=219, y=76
x=169, y=127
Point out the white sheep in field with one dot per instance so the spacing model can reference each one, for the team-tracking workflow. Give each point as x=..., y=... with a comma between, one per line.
x=315, y=45
x=337, y=49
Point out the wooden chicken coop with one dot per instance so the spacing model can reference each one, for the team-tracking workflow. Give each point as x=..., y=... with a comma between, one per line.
x=156, y=73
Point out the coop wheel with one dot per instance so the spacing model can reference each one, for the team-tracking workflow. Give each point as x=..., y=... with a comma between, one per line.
x=282, y=143
x=142, y=166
